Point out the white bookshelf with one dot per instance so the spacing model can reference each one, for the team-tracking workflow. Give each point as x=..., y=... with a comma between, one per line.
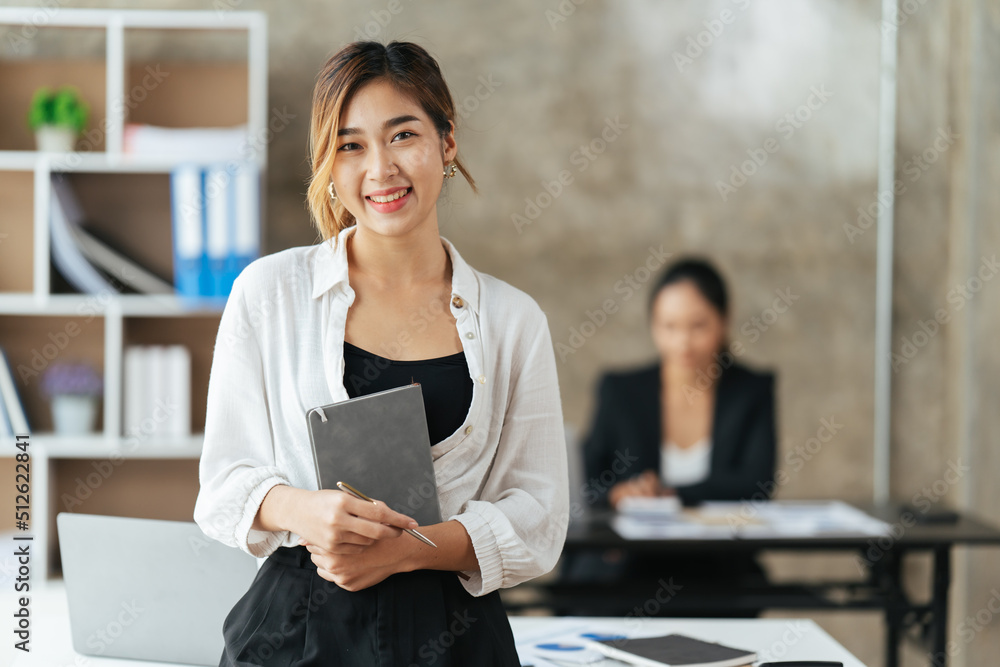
x=113, y=316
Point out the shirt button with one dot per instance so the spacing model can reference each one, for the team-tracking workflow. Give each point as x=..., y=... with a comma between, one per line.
x=470, y=335
x=468, y=429
x=457, y=301
x=482, y=379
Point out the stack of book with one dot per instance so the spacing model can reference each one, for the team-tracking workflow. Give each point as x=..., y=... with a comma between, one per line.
x=157, y=392
x=13, y=420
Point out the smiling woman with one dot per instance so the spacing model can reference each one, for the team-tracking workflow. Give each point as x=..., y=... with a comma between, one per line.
x=382, y=302
x=418, y=132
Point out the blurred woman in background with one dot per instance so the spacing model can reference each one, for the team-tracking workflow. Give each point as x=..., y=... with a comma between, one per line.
x=695, y=424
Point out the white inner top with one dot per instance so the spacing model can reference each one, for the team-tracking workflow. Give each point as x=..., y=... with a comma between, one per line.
x=684, y=466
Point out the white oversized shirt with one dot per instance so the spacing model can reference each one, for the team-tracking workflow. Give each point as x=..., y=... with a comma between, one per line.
x=279, y=352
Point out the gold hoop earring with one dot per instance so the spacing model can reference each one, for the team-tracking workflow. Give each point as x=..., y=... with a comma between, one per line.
x=450, y=171
x=329, y=189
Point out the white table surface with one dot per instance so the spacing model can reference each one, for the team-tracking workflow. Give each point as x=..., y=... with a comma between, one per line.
x=772, y=639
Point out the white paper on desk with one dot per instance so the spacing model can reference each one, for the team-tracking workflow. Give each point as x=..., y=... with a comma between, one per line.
x=666, y=506
x=644, y=528
x=799, y=518
x=567, y=633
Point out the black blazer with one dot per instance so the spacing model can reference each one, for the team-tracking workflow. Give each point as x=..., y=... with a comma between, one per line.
x=625, y=438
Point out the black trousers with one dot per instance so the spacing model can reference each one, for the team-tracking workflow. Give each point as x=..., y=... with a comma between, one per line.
x=291, y=616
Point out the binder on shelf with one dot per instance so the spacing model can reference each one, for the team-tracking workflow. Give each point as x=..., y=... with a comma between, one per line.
x=187, y=211
x=216, y=226
x=13, y=407
x=218, y=196
x=246, y=222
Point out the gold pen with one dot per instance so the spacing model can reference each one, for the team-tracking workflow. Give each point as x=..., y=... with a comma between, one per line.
x=344, y=486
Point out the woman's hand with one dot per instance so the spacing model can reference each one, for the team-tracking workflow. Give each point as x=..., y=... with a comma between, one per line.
x=341, y=524
x=357, y=571
x=646, y=485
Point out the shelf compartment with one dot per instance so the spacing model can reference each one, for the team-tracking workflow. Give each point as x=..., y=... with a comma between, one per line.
x=34, y=343
x=19, y=79
x=197, y=334
x=17, y=231
x=169, y=68
x=221, y=89
x=132, y=213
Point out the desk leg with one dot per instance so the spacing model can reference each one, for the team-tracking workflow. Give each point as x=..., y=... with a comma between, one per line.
x=893, y=585
x=939, y=605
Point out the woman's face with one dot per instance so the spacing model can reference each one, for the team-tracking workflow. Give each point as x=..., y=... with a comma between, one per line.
x=388, y=149
x=686, y=327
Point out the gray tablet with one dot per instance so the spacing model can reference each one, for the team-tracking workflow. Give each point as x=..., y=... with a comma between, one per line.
x=379, y=444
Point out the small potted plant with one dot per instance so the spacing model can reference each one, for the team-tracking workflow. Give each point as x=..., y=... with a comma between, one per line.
x=57, y=117
x=74, y=389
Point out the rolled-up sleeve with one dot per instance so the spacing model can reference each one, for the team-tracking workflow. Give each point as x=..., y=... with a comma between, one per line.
x=518, y=522
x=237, y=466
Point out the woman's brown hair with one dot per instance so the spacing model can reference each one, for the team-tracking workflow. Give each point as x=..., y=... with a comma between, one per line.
x=410, y=69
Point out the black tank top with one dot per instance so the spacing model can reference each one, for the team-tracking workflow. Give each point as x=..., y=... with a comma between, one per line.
x=444, y=382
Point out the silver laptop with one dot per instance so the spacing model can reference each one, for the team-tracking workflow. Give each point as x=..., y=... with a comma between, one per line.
x=149, y=589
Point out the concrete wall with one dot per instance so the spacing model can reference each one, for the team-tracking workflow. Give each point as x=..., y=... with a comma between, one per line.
x=795, y=83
